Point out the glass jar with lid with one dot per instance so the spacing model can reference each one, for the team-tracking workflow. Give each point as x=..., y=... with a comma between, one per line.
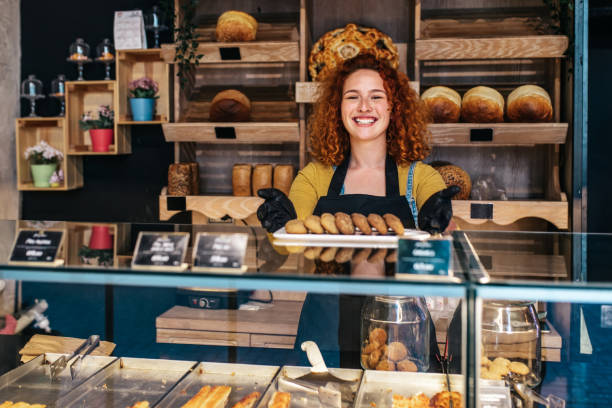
x=395, y=334
x=58, y=91
x=105, y=54
x=78, y=53
x=32, y=89
x=511, y=341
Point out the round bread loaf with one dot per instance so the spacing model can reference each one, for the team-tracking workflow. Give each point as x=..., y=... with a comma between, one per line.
x=482, y=104
x=529, y=103
x=230, y=106
x=235, y=26
x=456, y=176
x=444, y=104
x=344, y=43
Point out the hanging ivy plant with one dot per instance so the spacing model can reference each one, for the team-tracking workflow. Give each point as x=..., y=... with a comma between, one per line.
x=186, y=42
x=562, y=12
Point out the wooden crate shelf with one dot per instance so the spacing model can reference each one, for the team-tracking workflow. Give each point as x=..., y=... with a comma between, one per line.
x=30, y=131
x=538, y=46
x=508, y=212
x=232, y=132
x=79, y=234
x=134, y=64
x=501, y=134
x=275, y=42
x=215, y=207
x=87, y=96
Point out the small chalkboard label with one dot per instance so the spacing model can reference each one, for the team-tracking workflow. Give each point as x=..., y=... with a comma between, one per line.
x=176, y=203
x=230, y=53
x=481, y=135
x=160, y=250
x=35, y=247
x=481, y=211
x=225, y=132
x=220, y=252
x=423, y=257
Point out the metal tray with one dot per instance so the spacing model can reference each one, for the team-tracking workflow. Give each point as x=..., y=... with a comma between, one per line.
x=378, y=387
x=243, y=378
x=127, y=381
x=304, y=400
x=358, y=240
x=31, y=382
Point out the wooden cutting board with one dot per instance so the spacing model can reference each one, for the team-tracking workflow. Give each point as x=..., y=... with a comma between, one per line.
x=41, y=343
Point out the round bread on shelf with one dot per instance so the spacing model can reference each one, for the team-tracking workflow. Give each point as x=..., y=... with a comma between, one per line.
x=235, y=26
x=529, y=103
x=456, y=176
x=444, y=104
x=482, y=104
x=230, y=105
x=341, y=44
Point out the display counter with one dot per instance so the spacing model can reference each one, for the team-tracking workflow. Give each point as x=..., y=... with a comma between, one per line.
x=511, y=313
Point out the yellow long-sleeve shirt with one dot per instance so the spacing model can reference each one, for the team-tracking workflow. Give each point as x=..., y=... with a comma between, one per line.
x=312, y=183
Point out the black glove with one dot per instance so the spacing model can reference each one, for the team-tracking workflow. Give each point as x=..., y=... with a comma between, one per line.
x=276, y=210
x=437, y=211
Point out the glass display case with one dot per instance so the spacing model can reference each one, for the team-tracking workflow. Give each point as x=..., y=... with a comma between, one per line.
x=512, y=309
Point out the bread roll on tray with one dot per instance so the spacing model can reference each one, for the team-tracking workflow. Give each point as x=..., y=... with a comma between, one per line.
x=529, y=103
x=482, y=104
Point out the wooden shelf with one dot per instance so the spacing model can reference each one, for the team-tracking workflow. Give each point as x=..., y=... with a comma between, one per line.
x=30, y=131
x=500, y=134
x=134, y=64
x=507, y=212
x=232, y=132
x=215, y=207
x=536, y=46
x=87, y=96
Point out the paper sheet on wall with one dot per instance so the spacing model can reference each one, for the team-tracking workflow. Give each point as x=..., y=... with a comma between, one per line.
x=128, y=30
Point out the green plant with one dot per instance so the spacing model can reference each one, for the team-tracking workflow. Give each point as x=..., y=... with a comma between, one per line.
x=104, y=120
x=143, y=87
x=43, y=153
x=186, y=42
x=103, y=257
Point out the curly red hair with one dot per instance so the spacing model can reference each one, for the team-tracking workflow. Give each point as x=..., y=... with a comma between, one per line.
x=407, y=132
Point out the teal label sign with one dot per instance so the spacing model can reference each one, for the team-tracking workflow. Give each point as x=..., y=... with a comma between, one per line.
x=427, y=257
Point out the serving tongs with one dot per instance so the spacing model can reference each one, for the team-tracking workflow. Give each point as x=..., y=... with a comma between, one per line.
x=522, y=389
x=60, y=364
x=444, y=361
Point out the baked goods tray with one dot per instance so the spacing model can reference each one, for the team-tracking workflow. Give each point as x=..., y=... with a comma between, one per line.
x=243, y=378
x=357, y=240
x=377, y=388
x=300, y=399
x=32, y=383
x=127, y=381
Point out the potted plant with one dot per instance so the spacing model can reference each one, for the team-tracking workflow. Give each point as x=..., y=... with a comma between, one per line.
x=43, y=162
x=101, y=128
x=96, y=257
x=142, y=93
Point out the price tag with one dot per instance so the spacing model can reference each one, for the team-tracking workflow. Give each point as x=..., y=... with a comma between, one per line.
x=220, y=252
x=161, y=250
x=431, y=257
x=37, y=247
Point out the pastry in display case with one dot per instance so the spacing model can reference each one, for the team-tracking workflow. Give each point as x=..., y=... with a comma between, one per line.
x=78, y=53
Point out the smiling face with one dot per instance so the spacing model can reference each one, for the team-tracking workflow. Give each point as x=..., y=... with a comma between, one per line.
x=365, y=106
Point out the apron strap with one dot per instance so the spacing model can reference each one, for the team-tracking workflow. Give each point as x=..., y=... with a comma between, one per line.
x=410, y=197
x=336, y=186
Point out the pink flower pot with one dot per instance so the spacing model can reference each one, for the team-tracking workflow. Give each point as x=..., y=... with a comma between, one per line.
x=101, y=139
x=100, y=238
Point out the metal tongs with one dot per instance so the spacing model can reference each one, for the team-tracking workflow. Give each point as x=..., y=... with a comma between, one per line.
x=518, y=384
x=59, y=365
x=444, y=361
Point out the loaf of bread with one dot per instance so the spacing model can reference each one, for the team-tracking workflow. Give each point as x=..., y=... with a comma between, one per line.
x=444, y=104
x=179, y=179
x=241, y=180
x=482, y=104
x=456, y=176
x=262, y=177
x=529, y=103
x=230, y=105
x=344, y=43
x=283, y=177
x=235, y=26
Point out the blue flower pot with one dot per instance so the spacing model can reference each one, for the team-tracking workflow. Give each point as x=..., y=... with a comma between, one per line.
x=142, y=109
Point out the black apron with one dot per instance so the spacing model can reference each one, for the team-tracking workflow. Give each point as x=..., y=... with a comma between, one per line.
x=349, y=306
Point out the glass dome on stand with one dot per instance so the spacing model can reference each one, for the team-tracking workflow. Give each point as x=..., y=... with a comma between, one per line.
x=78, y=53
x=105, y=54
x=58, y=91
x=31, y=89
x=154, y=21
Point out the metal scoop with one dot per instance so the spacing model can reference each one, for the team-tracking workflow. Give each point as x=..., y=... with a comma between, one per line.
x=94, y=341
x=527, y=394
x=60, y=364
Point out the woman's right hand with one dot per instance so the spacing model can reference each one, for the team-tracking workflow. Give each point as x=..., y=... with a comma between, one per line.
x=276, y=210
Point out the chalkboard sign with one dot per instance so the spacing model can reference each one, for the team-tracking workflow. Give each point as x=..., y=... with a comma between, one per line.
x=160, y=250
x=35, y=247
x=430, y=257
x=220, y=252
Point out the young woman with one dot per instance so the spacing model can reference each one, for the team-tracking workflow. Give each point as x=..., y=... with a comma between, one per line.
x=368, y=136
